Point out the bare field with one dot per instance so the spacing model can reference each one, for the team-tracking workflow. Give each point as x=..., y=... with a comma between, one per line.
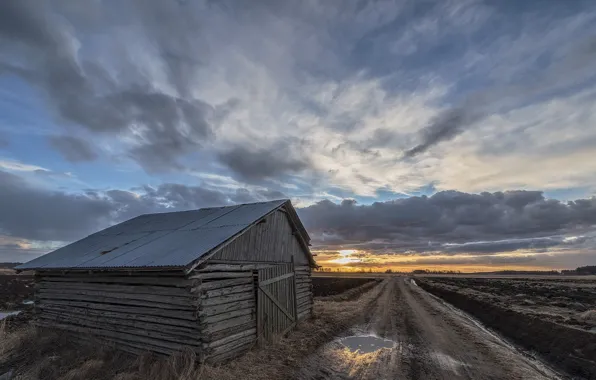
x=554, y=317
x=329, y=286
x=14, y=289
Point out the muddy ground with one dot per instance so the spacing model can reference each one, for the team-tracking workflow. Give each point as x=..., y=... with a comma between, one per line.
x=552, y=318
x=564, y=301
x=329, y=286
x=429, y=340
x=14, y=289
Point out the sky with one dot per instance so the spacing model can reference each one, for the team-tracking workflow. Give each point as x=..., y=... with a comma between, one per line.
x=410, y=134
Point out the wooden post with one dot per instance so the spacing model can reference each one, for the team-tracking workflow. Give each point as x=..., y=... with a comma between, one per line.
x=294, y=292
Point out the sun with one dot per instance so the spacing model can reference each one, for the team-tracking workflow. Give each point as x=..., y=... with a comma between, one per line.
x=346, y=257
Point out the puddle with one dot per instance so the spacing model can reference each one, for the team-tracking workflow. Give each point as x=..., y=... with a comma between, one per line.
x=366, y=343
x=6, y=313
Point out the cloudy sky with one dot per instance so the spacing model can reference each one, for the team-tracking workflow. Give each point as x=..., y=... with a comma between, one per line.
x=412, y=133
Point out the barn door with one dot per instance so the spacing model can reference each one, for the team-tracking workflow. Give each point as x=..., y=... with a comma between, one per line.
x=276, y=301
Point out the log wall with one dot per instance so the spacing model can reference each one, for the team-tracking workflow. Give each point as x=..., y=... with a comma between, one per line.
x=149, y=311
x=304, y=294
x=227, y=309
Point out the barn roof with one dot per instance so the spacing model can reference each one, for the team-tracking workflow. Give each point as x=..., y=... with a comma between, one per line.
x=172, y=240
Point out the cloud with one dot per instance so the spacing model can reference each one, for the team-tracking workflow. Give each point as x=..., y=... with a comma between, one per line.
x=389, y=96
x=74, y=149
x=254, y=165
x=31, y=213
x=450, y=222
x=163, y=123
x=445, y=127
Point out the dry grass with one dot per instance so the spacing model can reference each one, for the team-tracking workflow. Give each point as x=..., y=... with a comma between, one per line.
x=41, y=354
x=588, y=317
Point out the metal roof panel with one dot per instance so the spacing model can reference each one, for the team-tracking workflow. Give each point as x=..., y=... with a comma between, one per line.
x=174, y=239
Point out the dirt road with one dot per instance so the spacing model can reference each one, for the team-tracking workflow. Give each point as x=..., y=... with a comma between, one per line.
x=423, y=338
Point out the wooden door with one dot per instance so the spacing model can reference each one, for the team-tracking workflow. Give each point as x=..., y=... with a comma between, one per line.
x=276, y=301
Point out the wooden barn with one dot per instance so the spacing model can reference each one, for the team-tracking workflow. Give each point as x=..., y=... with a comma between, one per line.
x=218, y=280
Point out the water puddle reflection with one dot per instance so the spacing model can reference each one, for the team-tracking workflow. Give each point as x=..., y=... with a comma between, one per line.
x=6, y=313
x=365, y=344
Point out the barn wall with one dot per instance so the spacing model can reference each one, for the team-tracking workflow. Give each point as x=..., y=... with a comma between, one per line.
x=227, y=309
x=271, y=241
x=304, y=295
x=148, y=311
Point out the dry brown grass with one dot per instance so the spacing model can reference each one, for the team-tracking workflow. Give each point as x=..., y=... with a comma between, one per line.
x=40, y=354
x=588, y=316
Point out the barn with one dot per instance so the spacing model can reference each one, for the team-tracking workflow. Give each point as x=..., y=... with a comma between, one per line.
x=216, y=280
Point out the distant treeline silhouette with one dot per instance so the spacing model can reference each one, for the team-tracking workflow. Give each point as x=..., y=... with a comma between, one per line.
x=587, y=270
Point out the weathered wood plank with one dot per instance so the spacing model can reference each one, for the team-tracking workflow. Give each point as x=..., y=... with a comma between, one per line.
x=230, y=354
x=114, y=300
x=277, y=303
x=221, y=284
x=226, y=308
x=179, y=314
x=209, y=328
x=229, y=331
x=209, y=319
x=236, y=297
x=131, y=347
x=91, y=294
x=219, y=275
x=227, y=291
x=164, y=321
x=137, y=331
x=276, y=279
x=231, y=345
x=116, y=288
x=231, y=338
x=119, y=335
x=167, y=281
x=103, y=319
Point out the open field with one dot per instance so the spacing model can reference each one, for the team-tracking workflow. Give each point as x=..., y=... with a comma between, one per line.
x=14, y=289
x=553, y=317
x=329, y=286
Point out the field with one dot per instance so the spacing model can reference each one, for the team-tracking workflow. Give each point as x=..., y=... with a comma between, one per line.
x=14, y=289
x=422, y=337
x=554, y=317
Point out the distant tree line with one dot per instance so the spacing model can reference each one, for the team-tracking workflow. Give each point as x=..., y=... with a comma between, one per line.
x=587, y=270
x=9, y=265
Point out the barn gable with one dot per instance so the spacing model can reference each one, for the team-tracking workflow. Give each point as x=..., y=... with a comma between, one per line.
x=272, y=239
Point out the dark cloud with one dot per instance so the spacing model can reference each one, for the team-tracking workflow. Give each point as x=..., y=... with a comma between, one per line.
x=486, y=222
x=38, y=214
x=443, y=128
x=73, y=148
x=31, y=213
x=81, y=92
x=258, y=164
